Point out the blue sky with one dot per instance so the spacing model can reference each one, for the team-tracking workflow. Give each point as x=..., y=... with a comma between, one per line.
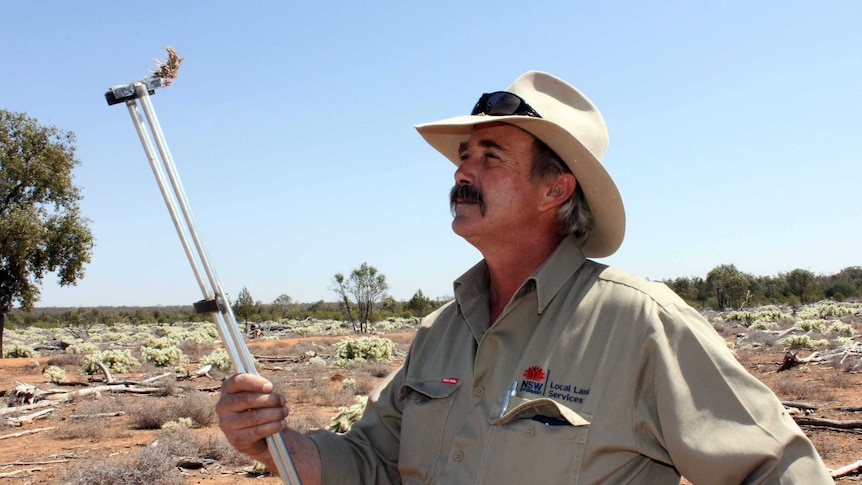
x=734, y=132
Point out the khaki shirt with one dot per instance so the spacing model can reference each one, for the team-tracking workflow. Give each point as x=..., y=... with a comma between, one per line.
x=616, y=380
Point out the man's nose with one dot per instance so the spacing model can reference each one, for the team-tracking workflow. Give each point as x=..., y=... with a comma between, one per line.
x=465, y=173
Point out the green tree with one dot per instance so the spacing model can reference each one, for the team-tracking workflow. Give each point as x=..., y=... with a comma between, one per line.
x=802, y=283
x=367, y=286
x=41, y=227
x=419, y=304
x=283, y=304
x=244, y=305
x=729, y=286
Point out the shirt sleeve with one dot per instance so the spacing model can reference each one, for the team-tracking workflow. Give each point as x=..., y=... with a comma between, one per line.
x=368, y=453
x=716, y=422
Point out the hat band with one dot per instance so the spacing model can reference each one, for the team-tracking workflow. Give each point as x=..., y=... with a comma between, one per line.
x=503, y=103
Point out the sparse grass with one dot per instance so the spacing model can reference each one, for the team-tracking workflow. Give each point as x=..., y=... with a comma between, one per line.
x=150, y=466
x=757, y=339
x=60, y=360
x=364, y=384
x=153, y=415
x=194, y=350
x=83, y=429
x=304, y=424
x=371, y=368
x=792, y=387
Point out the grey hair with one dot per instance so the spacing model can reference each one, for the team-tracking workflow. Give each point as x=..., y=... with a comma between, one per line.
x=574, y=214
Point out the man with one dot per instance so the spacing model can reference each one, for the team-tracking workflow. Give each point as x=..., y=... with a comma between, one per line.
x=547, y=367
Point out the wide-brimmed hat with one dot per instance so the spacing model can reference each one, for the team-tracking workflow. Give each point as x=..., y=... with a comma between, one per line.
x=562, y=117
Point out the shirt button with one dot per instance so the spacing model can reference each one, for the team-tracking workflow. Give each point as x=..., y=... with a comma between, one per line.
x=479, y=391
x=530, y=431
x=458, y=456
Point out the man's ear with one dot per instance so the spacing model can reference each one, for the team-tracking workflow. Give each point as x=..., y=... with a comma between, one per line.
x=559, y=191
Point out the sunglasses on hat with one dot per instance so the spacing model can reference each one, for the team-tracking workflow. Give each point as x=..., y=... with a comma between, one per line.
x=503, y=103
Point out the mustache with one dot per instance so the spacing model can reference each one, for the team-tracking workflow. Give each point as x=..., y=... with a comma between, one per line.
x=468, y=193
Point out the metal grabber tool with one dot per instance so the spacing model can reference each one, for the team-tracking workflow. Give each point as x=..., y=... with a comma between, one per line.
x=214, y=300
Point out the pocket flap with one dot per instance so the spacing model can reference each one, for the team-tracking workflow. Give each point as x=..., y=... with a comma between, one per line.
x=542, y=407
x=430, y=388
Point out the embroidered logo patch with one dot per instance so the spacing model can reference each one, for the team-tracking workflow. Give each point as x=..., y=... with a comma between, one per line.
x=449, y=380
x=534, y=373
x=538, y=381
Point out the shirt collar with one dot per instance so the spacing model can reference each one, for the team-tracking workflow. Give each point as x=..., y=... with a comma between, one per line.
x=546, y=280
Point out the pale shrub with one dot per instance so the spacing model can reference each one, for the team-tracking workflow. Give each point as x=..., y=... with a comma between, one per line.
x=17, y=350
x=812, y=325
x=54, y=374
x=163, y=352
x=763, y=325
x=82, y=348
x=829, y=309
x=120, y=361
x=204, y=333
x=364, y=348
x=842, y=329
x=803, y=342
x=347, y=415
x=219, y=359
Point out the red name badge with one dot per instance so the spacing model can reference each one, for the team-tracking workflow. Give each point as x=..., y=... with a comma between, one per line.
x=449, y=380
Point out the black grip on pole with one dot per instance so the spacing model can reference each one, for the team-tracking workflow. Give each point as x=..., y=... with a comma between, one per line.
x=112, y=98
x=209, y=306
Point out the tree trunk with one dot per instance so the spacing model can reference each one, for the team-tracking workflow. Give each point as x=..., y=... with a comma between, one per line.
x=2, y=326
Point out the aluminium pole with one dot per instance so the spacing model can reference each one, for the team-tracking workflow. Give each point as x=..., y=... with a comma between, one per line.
x=213, y=294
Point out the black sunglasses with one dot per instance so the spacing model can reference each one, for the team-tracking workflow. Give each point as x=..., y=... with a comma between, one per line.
x=502, y=103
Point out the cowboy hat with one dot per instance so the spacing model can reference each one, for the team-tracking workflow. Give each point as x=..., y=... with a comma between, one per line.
x=559, y=115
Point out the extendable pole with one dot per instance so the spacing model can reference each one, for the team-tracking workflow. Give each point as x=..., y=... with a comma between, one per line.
x=215, y=300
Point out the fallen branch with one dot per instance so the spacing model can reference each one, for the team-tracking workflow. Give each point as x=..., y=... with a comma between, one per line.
x=98, y=415
x=67, y=396
x=16, y=472
x=26, y=407
x=854, y=468
x=828, y=423
x=791, y=360
x=29, y=418
x=850, y=409
x=108, y=377
x=294, y=359
x=30, y=463
x=156, y=378
x=22, y=433
x=799, y=405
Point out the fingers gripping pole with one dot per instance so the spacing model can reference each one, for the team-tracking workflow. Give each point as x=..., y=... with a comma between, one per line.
x=175, y=199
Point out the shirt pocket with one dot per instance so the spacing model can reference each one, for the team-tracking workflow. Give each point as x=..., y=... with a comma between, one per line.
x=427, y=405
x=537, y=441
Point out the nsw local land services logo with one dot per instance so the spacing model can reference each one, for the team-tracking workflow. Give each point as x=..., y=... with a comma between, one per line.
x=537, y=381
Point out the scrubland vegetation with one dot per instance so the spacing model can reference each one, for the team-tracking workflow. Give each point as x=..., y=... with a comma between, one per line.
x=326, y=368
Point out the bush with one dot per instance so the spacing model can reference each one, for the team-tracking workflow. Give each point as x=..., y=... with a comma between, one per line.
x=347, y=415
x=150, y=466
x=198, y=407
x=842, y=329
x=163, y=352
x=803, y=342
x=364, y=348
x=17, y=351
x=813, y=325
x=54, y=374
x=219, y=359
x=120, y=361
x=82, y=348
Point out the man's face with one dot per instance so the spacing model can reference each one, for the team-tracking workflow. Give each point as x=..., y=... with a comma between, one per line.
x=494, y=200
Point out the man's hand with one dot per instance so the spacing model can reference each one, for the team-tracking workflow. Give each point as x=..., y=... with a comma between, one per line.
x=248, y=412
